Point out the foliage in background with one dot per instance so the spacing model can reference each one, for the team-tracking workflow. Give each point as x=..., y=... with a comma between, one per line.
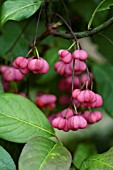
x=21, y=121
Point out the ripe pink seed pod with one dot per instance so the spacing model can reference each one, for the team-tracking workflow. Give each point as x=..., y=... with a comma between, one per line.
x=90, y=96
x=24, y=70
x=20, y=61
x=80, y=54
x=18, y=75
x=73, y=123
x=82, y=122
x=9, y=74
x=15, y=65
x=66, y=128
x=59, y=52
x=86, y=115
x=98, y=103
x=86, y=96
x=55, y=122
x=75, y=93
x=79, y=66
x=60, y=67
x=68, y=70
x=98, y=115
x=65, y=56
x=45, y=68
x=35, y=65
x=81, y=97
x=61, y=124
x=24, y=63
x=4, y=68
x=95, y=117
x=67, y=113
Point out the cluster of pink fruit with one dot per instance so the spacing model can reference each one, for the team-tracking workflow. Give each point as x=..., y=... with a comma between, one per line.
x=71, y=119
x=65, y=85
x=37, y=66
x=64, y=66
x=22, y=66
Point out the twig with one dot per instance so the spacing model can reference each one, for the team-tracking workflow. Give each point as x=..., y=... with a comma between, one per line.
x=85, y=33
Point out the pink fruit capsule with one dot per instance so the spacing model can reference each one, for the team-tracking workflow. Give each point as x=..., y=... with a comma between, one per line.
x=98, y=102
x=95, y=117
x=20, y=62
x=9, y=74
x=86, y=115
x=73, y=123
x=35, y=64
x=67, y=113
x=24, y=70
x=55, y=122
x=61, y=124
x=80, y=54
x=86, y=96
x=18, y=75
x=60, y=67
x=4, y=68
x=45, y=68
x=75, y=93
x=66, y=128
x=68, y=70
x=82, y=122
x=65, y=56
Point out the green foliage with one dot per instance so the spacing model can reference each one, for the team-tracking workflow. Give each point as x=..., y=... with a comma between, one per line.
x=19, y=9
x=106, y=5
x=21, y=119
x=94, y=13
x=103, y=5
x=10, y=33
x=103, y=77
x=99, y=161
x=41, y=153
x=6, y=162
x=82, y=152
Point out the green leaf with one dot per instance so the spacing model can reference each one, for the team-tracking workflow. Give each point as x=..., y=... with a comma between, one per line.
x=106, y=5
x=99, y=162
x=103, y=75
x=10, y=34
x=19, y=9
x=82, y=152
x=6, y=162
x=21, y=120
x=41, y=153
x=94, y=13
